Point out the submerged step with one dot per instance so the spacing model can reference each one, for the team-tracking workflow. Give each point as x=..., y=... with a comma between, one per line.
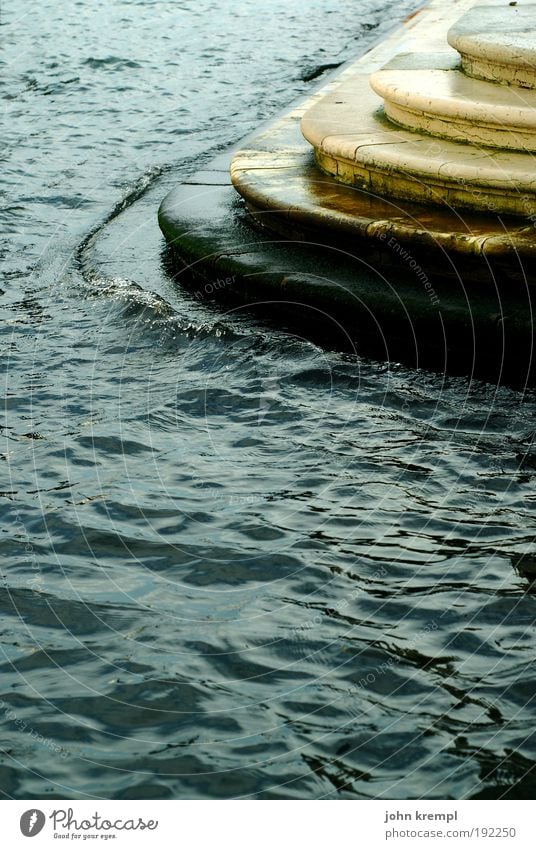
x=498, y=43
x=443, y=101
x=358, y=145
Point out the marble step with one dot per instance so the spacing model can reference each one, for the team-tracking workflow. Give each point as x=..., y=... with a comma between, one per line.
x=430, y=94
x=498, y=43
x=356, y=143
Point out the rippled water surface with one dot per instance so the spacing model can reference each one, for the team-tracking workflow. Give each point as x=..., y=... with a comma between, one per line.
x=234, y=564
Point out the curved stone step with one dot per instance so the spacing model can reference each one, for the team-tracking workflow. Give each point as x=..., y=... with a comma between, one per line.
x=358, y=263
x=359, y=146
x=445, y=102
x=498, y=43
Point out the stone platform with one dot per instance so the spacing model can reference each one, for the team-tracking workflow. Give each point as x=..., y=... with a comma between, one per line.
x=393, y=162
x=398, y=279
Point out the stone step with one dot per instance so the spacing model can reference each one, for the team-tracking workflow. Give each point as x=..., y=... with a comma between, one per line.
x=498, y=43
x=424, y=94
x=355, y=142
x=402, y=281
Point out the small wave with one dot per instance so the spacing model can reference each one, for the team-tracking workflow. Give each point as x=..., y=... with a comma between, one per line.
x=114, y=63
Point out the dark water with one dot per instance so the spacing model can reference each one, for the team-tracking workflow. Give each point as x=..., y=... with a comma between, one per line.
x=234, y=564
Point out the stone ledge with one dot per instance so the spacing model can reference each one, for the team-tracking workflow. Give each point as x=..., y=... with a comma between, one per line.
x=498, y=42
x=398, y=281
x=344, y=296
x=294, y=198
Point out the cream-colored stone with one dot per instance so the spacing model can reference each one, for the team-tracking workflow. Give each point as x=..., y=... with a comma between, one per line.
x=498, y=43
x=495, y=72
x=286, y=199
x=404, y=164
x=449, y=104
